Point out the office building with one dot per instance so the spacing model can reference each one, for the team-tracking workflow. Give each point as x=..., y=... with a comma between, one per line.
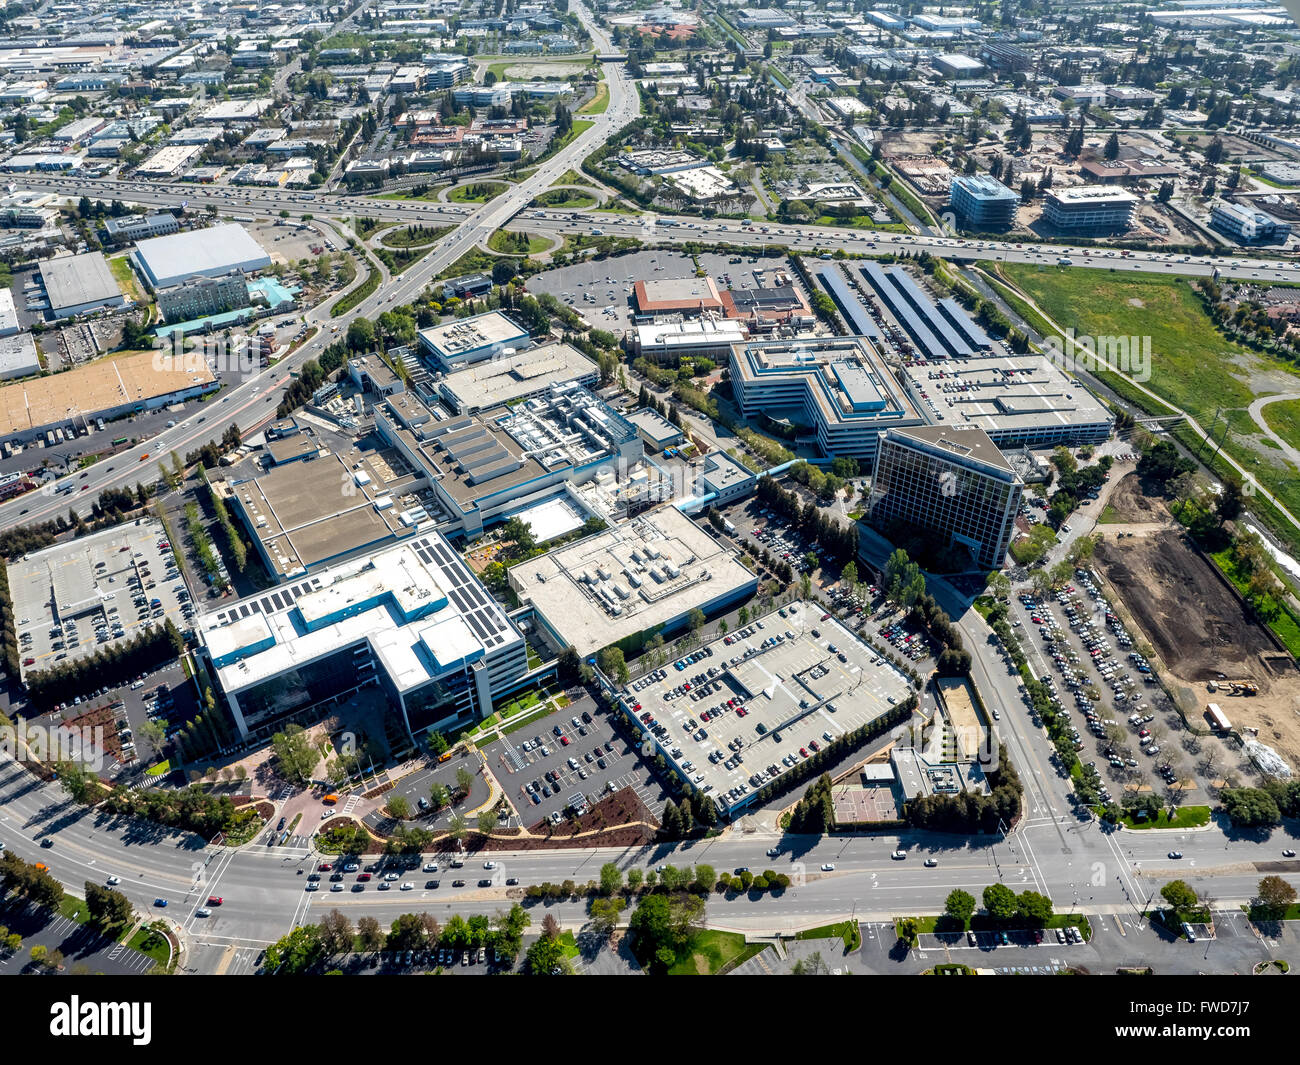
x=983, y=201
x=1247, y=224
x=952, y=482
x=411, y=619
x=836, y=387
x=510, y=379
x=134, y=227
x=484, y=468
x=201, y=296
x=1089, y=208
x=465, y=341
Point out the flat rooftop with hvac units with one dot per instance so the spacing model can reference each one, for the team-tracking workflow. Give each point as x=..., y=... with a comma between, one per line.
x=481, y=467
x=411, y=619
x=465, y=341
x=762, y=700
x=648, y=574
x=1019, y=400
x=838, y=387
x=303, y=515
x=105, y=388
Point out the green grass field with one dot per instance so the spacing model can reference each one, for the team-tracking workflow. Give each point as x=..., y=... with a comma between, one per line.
x=503, y=243
x=476, y=192
x=708, y=951
x=1185, y=817
x=1192, y=364
x=598, y=104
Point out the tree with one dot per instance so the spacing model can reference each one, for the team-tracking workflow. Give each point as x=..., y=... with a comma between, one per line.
x=295, y=757
x=437, y=744
x=335, y=933
x=1111, y=151
x=372, y=937
x=439, y=796
x=1250, y=807
x=546, y=958
x=613, y=665
x=487, y=822
x=605, y=913
x=1000, y=901
x=107, y=908
x=960, y=905
x=611, y=878
x=661, y=926
x=1180, y=896
x=464, y=780
x=399, y=807
x=1275, y=895
x=1034, y=907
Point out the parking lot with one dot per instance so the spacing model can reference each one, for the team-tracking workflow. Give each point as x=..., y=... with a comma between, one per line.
x=538, y=757
x=415, y=787
x=747, y=707
x=601, y=291
x=71, y=599
x=1110, y=684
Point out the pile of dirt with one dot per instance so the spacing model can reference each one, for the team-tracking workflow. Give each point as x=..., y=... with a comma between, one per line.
x=1131, y=506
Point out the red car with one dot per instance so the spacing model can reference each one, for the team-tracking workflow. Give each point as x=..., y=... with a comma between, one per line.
x=814, y=745
x=363, y=876
x=803, y=751
x=324, y=867
x=214, y=900
x=825, y=617
x=564, y=741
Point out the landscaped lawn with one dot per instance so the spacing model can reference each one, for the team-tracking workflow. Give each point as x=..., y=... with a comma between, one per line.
x=845, y=931
x=509, y=243
x=567, y=199
x=598, y=103
x=1185, y=817
x=149, y=942
x=476, y=192
x=708, y=951
x=120, y=267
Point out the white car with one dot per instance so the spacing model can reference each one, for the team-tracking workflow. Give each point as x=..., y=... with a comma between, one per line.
x=111, y=880
x=828, y=867
x=202, y=911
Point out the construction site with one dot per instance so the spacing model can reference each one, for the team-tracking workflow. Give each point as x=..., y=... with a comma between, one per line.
x=1207, y=645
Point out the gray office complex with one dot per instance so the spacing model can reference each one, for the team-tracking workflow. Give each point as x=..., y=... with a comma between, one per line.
x=951, y=481
x=983, y=201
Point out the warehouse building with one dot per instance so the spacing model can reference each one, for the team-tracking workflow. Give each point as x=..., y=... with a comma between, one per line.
x=212, y=252
x=102, y=389
x=79, y=284
x=641, y=577
x=412, y=620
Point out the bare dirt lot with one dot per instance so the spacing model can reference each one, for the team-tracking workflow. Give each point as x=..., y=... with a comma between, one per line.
x=1131, y=507
x=1200, y=630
